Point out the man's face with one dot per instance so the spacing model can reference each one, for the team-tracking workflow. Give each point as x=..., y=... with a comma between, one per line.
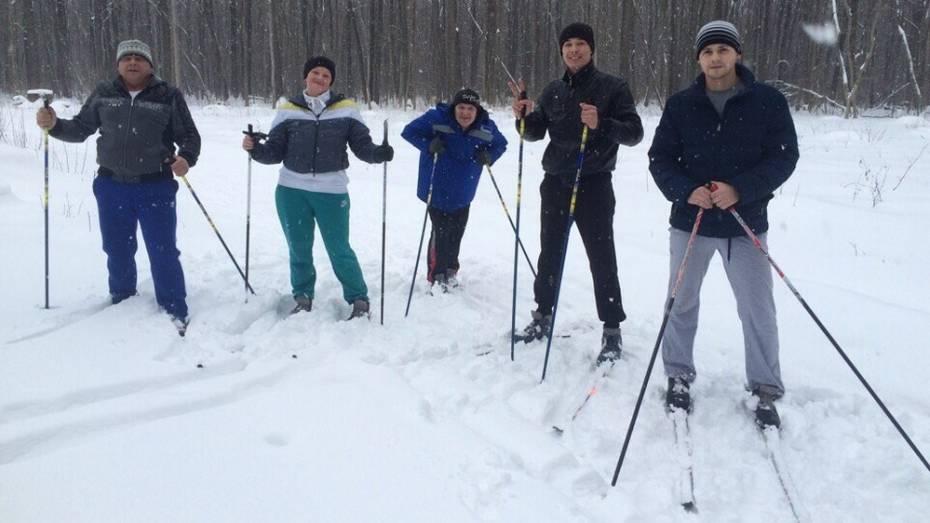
x=134, y=70
x=576, y=53
x=718, y=61
x=318, y=80
x=465, y=114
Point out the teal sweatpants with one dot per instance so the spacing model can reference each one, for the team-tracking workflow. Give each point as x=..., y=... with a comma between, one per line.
x=299, y=212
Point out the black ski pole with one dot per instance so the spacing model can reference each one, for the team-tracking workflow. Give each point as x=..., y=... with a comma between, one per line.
x=519, y=243
x=516, y=228
x=429, y=199
x=45, y=204
x=46, y=96
x=852, y=366
x=258, y=137
x=655, y=351
x=568, y=233
x=218, y=235
x=248, y=215
x=383, y=220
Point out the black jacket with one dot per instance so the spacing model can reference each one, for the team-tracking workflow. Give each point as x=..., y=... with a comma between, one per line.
x=753, y=147
x=558, y=112
x=136, y=136
x=310, y=143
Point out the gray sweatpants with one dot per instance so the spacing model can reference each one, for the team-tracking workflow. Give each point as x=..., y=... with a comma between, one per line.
x=751, y=280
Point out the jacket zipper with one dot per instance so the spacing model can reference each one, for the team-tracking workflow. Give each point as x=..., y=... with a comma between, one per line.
x=132, y=102
x=316, y=138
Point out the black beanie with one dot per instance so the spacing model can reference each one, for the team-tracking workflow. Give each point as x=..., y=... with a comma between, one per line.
x=321, y=61
x=466, y=96
x=577, y=30
x=717, y=32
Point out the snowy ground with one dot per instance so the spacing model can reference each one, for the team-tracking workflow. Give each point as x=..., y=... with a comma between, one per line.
x=105, y=417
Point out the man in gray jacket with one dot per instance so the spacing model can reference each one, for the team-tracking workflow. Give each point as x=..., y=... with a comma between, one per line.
x=141, y=119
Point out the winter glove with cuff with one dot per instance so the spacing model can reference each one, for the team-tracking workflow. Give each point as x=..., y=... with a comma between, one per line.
x=482, y=156
x=437, y=146
x=384, y=153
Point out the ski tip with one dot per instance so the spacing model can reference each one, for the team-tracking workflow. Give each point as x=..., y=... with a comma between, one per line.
x=690, y=507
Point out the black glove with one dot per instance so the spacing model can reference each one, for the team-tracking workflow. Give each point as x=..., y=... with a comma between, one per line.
x=437, y=146
x=385, y=152
x=483, y=156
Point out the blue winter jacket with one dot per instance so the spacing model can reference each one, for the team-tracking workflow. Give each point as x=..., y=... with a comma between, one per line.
x=753, y=147
x=457, y=170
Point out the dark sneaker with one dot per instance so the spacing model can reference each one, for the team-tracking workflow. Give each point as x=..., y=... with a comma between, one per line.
x=180, y=324
x=611, y=346
x=536, y=330
x=302, y=304
x=678, y=395
x=359, y=310
x=766, y=413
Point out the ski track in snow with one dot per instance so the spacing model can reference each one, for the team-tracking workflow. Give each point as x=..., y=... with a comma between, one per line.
x=471, y=425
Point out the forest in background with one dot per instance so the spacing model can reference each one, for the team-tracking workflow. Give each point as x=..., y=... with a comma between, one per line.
x=839, y=56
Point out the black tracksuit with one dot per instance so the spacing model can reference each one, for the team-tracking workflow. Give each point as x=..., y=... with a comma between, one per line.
x=558, y=112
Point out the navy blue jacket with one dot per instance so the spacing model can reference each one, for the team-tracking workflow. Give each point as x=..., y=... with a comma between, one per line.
x=557, y=111
x=752, y=147
x=457, y=170
x=136, y=135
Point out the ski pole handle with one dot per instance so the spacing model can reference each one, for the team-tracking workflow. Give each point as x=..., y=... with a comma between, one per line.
x=255, y=135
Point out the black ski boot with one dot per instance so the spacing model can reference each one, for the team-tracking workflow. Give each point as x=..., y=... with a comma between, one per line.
x=766, y=414
x=611, y=346
x=536, y=330
x=360, y=309
x=440, y=281
x=678, y=395
x=303, y=304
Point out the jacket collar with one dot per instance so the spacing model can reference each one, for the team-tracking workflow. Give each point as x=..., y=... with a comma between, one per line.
x=154, y=81
x=298, y=99
x=745, y=75
x=582, y=77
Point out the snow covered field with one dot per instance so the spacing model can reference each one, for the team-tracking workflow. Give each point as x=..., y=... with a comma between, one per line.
x=105, y=417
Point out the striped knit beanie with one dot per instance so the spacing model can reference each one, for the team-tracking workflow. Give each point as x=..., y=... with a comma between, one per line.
x=718, y=32
x=136, y=47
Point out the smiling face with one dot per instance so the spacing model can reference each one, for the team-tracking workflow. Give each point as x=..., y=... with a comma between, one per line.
x=134, y=70
x=718, y=62
x=576, y=53
x=465, y=114
x=318, y=80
